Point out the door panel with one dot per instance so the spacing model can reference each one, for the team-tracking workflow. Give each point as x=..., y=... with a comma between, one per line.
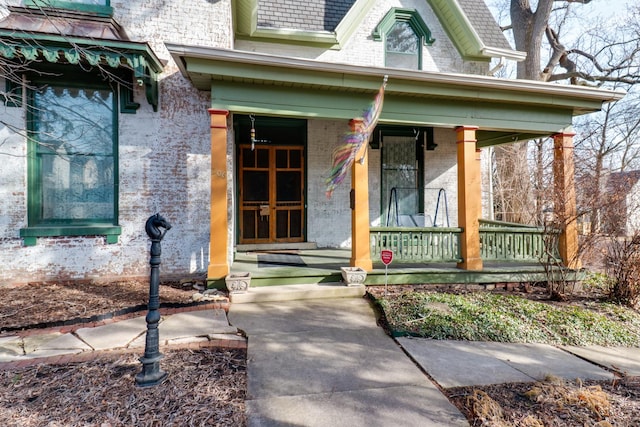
x=272, y=194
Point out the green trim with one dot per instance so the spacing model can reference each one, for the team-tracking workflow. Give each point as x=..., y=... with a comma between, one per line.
x=30, y=234
x=488, y=138
x=54, y=49
x=34, y=192
x=398, y=109
x=127, y=104
x=351, y=22
x=459, y=29
x=246, y=16
x=98, y=9
x=464, y=36
x=297, y=37
x=252, y=83
x=411, y=17
x=246, y=26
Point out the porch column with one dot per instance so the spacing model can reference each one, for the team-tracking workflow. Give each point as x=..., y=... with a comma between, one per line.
x=469, y=197
x=359, y=201
x=564, y=200
x=218, y=264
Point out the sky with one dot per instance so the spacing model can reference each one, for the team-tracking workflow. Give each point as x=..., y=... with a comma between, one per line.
x=607, y=8
x=604, y=8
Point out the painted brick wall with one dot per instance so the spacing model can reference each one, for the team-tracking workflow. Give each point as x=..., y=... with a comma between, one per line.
x=441, y=171
x=164, y=155
x=329, y=220
x=329, y=223
x=164, y=163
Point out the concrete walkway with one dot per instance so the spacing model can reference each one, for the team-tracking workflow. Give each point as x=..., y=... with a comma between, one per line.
x=181, y=328
x=326, y=363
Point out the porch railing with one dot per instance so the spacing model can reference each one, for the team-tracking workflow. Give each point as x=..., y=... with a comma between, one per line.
x=501, y=242
x=419, y=245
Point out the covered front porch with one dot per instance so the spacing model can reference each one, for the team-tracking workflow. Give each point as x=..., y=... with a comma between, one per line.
x=468, y=112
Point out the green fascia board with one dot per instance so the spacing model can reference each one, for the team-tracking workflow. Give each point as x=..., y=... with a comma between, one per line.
x=421, y=84
x=270, y=69
x=489, y=138
x=295, y=87
x=245, y=14
x=464, y=36
x=289, y=36
x=342, y=105
x=351, y=22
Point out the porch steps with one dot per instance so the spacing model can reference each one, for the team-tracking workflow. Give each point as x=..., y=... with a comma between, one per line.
x=298, y=292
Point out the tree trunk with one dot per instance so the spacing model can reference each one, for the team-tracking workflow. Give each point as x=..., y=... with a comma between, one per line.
x=511, y=161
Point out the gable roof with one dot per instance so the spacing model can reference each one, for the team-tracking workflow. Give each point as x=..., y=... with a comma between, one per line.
x=484, y=23
x=469, y=24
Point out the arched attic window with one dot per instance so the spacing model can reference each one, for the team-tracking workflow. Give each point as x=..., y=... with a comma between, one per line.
x=404, y=33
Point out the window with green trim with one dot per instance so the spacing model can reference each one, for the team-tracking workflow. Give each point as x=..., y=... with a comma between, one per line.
x=73, y=156
x=404, y=33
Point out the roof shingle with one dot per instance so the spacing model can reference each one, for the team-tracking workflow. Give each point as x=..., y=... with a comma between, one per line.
x=310, y=15
x=484, y=23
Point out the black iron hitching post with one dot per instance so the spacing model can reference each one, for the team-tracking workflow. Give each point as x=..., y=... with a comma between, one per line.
x=151, y=374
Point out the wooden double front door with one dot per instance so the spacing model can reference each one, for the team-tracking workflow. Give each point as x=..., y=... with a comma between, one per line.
x=271, y=194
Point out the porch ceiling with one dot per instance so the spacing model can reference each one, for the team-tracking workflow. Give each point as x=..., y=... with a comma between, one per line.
x=504, y=110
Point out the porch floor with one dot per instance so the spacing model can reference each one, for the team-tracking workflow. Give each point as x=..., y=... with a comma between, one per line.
x=309, y=266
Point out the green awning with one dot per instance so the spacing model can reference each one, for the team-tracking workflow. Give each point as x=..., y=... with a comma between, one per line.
x=138, y=57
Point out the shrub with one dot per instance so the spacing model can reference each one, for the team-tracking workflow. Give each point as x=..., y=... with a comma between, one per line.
x=623, y=265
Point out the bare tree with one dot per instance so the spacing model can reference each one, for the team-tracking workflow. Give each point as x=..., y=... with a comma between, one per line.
x=605, y=56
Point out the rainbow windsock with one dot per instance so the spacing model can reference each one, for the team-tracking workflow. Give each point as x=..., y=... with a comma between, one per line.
x=345, y=154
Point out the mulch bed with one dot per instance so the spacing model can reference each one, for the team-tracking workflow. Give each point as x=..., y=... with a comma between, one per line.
x=204, y=387
x=55, y=304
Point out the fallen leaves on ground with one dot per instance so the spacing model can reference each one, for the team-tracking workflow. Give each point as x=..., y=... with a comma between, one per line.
x=203, y=387
x=552, y=402
x=32, y=304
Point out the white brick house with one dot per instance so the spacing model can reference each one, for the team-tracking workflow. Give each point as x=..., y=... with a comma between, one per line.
x=157, y=80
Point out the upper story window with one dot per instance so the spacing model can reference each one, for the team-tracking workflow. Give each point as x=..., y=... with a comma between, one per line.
x=100, y=7
x=404, y=33
x=402, y=47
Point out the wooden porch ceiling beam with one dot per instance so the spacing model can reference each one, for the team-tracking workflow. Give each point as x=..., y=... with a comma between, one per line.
x=514, y=123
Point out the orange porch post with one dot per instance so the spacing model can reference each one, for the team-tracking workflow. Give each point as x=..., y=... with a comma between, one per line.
x=565, y=198
x=359, y=199
x=218, y=261
x=469, y=197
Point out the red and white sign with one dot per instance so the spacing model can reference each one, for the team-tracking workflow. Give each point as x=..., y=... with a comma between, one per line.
x=386, y=256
